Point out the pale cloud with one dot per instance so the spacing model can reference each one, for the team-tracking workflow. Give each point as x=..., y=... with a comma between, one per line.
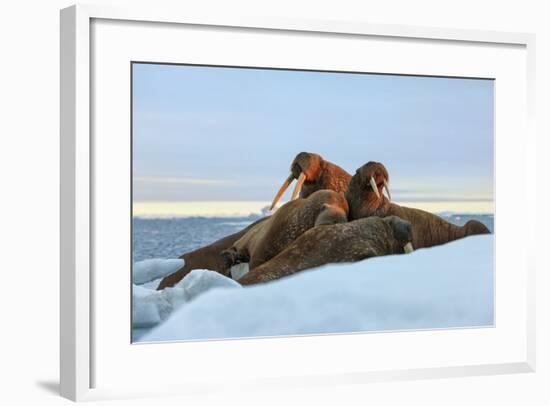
x=223, y=134
x=182, y=180
x=157, y=209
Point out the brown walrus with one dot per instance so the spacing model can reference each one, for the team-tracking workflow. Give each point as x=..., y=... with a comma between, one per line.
x=343, y=242
x=265, y=240
x=313, y=173
x=365, y=197
x=208, y=257
x=318, y=174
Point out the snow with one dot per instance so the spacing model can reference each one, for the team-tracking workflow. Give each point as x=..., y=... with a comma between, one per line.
x=152, y=269
x=202, y=280
x=440, y=287
x=150, y=306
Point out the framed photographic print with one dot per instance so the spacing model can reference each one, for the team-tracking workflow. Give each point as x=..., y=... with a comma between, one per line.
x=280, y=202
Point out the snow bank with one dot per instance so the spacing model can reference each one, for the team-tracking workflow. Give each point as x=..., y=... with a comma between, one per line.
x=151, y=269
x=150, y=306
x=440, y=287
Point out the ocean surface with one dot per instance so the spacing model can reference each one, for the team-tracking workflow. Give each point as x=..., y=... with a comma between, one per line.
x=172, y=237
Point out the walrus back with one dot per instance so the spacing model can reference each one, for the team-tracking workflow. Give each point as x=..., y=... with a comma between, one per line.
x=295, y=218
x=430, y=230
x=344, y=242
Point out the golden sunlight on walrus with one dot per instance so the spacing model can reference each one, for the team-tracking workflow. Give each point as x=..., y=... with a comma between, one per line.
x=343, y=242
x=365, y=198
x=266, y=239
x=313, y=173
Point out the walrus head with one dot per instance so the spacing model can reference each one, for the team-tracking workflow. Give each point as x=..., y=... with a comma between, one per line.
x=402, y=232
x=474, y=227
x=365, y=193
x=306, y=166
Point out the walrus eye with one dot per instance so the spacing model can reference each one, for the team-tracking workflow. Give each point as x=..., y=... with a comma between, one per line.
x=408, y=248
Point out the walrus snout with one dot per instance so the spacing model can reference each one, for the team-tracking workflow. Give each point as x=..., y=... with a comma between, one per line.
x=366, y=190
x=374, y=176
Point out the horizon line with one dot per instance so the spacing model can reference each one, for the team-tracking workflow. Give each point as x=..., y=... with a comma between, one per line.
x=169, y=209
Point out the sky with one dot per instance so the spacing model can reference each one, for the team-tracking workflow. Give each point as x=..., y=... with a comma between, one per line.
x=207, y=135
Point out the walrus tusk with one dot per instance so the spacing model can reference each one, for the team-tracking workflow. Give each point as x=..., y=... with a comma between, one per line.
x=284, y=187
x=298, y=187
x=239, y=270
x=408, y=248
x=387, y=189
x=374, y=187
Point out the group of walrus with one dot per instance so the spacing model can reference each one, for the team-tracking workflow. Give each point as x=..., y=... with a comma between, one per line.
x=332, y=217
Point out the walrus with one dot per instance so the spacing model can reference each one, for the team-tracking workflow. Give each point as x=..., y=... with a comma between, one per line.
x=317, y=174
x=342, y=242
x=265, y=240
x=313, y=173
x=365, y=198
x=208, y=257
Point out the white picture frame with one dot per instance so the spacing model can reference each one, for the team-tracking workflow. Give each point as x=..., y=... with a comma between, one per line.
x=77, y=218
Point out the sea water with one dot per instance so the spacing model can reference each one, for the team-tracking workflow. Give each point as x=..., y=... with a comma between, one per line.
x=172, y=237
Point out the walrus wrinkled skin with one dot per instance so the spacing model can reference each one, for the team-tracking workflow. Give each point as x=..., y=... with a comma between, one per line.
x=209, y=257
x=265, y=240
x=365, y=197
x=313, y=173
x=343, y=242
